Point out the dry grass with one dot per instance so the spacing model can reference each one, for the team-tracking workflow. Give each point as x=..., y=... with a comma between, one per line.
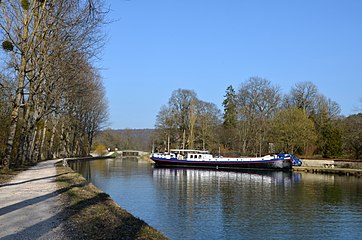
x=92, y=214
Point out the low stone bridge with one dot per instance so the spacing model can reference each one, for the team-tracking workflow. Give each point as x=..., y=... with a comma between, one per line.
x=131, y=153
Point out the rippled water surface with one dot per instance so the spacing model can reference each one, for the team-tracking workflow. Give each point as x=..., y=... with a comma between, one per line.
x=207, y=204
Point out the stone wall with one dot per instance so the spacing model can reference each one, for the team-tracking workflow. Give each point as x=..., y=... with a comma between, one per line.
x=331, y=163
x=348, y=164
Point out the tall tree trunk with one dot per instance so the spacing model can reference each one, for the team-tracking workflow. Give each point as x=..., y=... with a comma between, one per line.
x=15, y=116
x=26, y=133
x=52, y=153
x=192, y=123
x=19, y=93
x=32, y=146
x=36, y=146
x=42, y=142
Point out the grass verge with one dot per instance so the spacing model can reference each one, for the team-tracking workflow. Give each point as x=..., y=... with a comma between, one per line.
x=92, y=214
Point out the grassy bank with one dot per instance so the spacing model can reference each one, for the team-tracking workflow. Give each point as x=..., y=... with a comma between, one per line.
x=92, y=214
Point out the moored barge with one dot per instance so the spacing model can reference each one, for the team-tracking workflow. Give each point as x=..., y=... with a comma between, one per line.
x=203, y=159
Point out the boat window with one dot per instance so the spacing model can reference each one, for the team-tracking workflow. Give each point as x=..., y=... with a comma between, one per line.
x=200, y=156
x=191, y=156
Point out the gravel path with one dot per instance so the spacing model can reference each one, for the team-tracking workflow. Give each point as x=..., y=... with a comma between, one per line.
x=30, y=206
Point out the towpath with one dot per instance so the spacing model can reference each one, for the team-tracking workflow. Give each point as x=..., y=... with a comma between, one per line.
x=30, y=206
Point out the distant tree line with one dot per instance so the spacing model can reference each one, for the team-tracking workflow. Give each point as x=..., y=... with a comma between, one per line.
x=259, y=119
x=124, y=139
x=52, y=100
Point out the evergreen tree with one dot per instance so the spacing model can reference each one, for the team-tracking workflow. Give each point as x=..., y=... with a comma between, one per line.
x=229, y=103
x=352, y=135
x=331, y=141
x=229, y=135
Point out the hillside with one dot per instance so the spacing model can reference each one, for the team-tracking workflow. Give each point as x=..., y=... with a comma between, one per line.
x=139, y=139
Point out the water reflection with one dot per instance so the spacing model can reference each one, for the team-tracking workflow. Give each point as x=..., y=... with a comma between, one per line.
x=210, y=204
x=227, y=203
x=201, y=175
x=217, y=187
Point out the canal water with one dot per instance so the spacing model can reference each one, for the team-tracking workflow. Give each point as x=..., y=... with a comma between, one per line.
x=209, y=204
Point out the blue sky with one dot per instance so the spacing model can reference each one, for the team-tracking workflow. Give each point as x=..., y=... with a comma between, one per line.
x=157, y=46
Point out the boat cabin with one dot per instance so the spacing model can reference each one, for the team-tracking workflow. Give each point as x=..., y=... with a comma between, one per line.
x=195, y=155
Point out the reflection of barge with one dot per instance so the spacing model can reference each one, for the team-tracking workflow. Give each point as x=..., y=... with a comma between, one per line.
x=203, y=159
x=205, y=176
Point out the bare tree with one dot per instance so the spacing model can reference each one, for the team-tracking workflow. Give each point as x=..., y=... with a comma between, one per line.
x=181, y=105
x=304, y=96
x=208, y=120
x=6, y=95
x=167, y=129
x=325, y=110
x=186, y=121
x=258, y=101
x=40, y=37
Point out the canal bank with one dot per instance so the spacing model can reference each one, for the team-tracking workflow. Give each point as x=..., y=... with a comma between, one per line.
x=331, y=166
x=54, y=202
x=94, y=215
x=329, y=170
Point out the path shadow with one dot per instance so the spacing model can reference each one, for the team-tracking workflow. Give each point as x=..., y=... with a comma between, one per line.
x=31, y=180
x=36, y=200
x=126, y=228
